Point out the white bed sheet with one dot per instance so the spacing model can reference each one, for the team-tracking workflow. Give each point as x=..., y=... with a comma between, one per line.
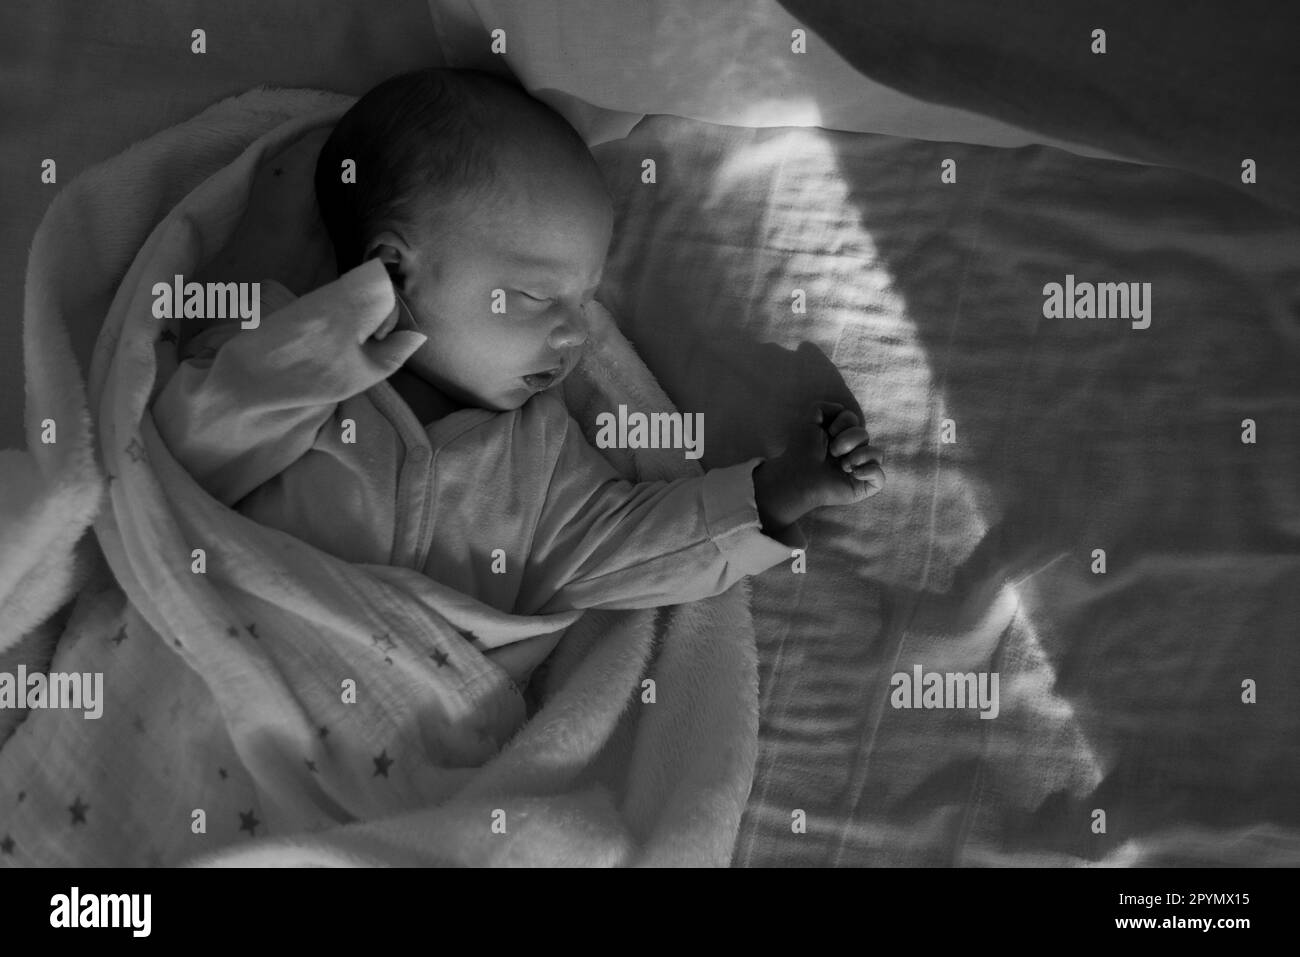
x=1119, y=692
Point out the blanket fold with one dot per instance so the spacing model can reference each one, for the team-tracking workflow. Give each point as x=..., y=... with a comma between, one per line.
x=268, y=703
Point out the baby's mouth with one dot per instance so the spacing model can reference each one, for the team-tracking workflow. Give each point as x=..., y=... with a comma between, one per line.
x=540, y=381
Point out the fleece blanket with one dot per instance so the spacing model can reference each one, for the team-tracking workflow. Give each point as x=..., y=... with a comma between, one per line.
x=277, y=705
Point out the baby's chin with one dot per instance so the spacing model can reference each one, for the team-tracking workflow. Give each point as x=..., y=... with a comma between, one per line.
x=516, y=399
x=506, y=401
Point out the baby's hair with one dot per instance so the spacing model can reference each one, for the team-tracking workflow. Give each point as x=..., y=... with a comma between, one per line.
x=421, y=141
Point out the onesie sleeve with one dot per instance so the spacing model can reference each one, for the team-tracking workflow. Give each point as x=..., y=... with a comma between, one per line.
x=604, y=542
x=223, y=414
x=250, y=402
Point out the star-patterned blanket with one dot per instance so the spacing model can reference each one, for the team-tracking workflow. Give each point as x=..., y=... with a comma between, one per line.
x=266, y=702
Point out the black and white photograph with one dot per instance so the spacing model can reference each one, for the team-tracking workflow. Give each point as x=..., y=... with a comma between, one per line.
x=765, y=434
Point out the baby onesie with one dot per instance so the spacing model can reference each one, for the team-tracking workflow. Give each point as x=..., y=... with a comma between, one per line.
x=513, y=508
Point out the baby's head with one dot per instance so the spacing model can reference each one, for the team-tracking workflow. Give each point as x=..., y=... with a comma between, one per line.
x=466, y=185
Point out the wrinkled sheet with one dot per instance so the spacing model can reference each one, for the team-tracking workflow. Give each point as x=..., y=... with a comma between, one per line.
x=606, y=63
x=1119, y=692
x=1200, y=86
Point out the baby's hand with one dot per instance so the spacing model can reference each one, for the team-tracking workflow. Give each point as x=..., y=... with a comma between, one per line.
x=855, y=469
x=829, y=462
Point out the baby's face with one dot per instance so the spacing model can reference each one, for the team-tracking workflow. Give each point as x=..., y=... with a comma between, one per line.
x=538, y=254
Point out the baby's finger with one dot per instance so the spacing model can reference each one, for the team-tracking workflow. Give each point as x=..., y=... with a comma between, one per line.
x=395, y=349
x=376, y=325
x=849, y=439
x=826, y=411
x=845, y=420
x=389, y=323
x=864, y=454
x=873, y=476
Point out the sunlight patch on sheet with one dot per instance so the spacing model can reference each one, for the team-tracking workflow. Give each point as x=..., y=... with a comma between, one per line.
x=802, y=139
x=1038, y=740
x=771, y=240
x=1033, y=688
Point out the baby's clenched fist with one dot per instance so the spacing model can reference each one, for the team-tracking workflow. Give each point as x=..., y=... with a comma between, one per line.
x=830, y=461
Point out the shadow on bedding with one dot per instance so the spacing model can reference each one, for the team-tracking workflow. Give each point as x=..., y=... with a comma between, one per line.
x=1066, y=439
x=1132, y=566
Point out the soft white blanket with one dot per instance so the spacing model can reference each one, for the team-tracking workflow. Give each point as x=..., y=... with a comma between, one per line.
x=223, y=690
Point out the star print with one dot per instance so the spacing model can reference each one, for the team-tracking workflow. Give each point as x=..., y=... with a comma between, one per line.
x=311, y=766
x=119, y=637
x=176, y=642
x=7, y=845
x=222, y=772
x=324, y=731
x=252, y=630
x=383, y=642
x=247, y=822
x=168, y=336
x=135, y=450
x=78, y=809
x=382, y=764
x=439, y=656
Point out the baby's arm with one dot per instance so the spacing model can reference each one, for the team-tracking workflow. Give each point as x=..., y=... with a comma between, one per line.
x=604, y=542
x=238, y=418
x=615, y=544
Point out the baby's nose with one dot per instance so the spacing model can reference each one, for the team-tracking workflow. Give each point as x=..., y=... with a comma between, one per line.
x=570, y=333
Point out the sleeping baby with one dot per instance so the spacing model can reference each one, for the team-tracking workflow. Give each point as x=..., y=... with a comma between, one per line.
x=413, y=421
